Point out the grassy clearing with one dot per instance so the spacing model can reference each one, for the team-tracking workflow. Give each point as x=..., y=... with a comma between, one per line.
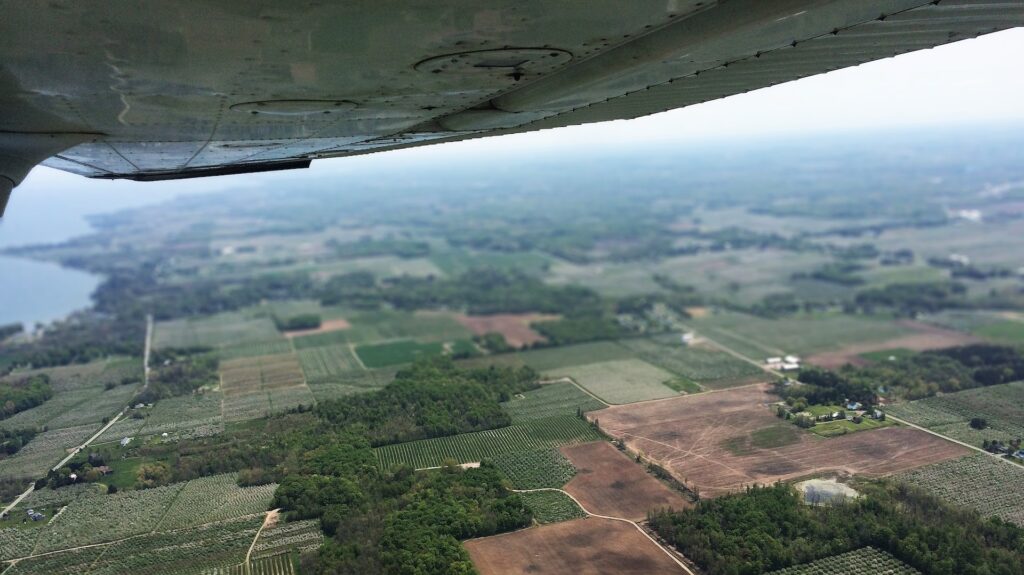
x=536, y=468
x=550, y=400
x=976, y=481
x=457, y=261
x=491, y=444
x=396, y=352
x=885, y=354
x=1006, y=331
x=844, y=426
x=683, y=385
x=551, y=506
x=622, y=381
x=866, y=561
x=771, y=437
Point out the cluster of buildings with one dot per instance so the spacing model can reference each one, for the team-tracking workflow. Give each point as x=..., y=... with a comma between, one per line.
x=787, y=363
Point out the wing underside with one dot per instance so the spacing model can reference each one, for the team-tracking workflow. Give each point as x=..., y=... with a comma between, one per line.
x=167, y=90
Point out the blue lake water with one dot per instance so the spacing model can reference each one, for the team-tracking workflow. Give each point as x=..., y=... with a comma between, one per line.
x=52, y=207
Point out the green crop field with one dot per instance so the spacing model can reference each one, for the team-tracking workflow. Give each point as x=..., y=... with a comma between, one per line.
x=1006, y=331
x=622, y=381
x=469, y=447
x=396, y=353
x=551, y=399
x=800, y=335
x=299, y=535
x=977, y=481
x=456, y=262
x=221, y=330
x=322, y=363
x=186, y=552
x=536, y=468
x=709, y=367
x=1002, y=407
x=44, y=451
x=270, y=347
x=138, y=520
x=866, y=561
x=551, y=506
x=546, y=360
x=845, y=426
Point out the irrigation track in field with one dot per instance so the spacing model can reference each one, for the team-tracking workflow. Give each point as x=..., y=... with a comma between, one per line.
x=113, y=420
x=899, y=420
x=130, y=537
x=631, y=522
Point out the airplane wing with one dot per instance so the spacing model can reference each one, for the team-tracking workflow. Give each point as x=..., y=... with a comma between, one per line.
x=153, y=89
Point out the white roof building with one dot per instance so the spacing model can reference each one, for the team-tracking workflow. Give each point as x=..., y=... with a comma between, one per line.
x=791, y=359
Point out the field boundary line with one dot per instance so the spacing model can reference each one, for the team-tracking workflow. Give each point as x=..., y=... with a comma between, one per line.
x=271, y=515
x=130, y=537
x=567, y=379
x=888, y=415
x=947, y=438
x=631, y=522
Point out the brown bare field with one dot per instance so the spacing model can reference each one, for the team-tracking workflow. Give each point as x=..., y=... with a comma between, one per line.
x=325, y=326
x=515, y=327
x=608, y=482
x=719, y=442
x=591, y=546
x=927, y=337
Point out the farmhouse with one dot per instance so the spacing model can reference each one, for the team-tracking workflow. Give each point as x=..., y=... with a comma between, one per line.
x=790, y=366
x=125, y=441
x=853, y=405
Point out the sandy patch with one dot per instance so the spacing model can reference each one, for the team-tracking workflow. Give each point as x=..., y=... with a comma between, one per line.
x=515, y=327
x=325, y=326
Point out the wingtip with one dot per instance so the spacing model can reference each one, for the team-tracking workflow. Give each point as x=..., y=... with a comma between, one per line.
x=5, y=193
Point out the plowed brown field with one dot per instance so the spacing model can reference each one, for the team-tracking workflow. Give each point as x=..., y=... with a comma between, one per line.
x=515, y=327
x=710, y=442
x=608, y=482
x=590, y=546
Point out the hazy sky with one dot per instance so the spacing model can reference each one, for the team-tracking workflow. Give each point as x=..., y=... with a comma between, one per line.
x=971, y=81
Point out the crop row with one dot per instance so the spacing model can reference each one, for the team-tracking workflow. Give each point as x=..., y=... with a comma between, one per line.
x=321, y=363
x=536, y=468
x=550, y=400
x=551, y=506
x=469, y=447
x=215, y=498
x=300, y=535
x=866, y=561
x=977, y=481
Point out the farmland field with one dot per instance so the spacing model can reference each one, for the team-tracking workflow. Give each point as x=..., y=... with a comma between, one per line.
x=44, y=451
x=215, y=498
x=845, y=426
x=1002, y=407
x=551, y=506
x=321, y=363
x=535, y=469
x=515, y=328
x=200, y=524
x=270, y=347
x=800, y=335
x=254, y=387
x=220, y=330
x=977, y=481
x=608, y=482
x=552, y=359
x=591, y=546
x=469, y=447
x=866, y=561
x=549, y=400
x=707, y=366
x=280, y=536
x=621, y=381
x=396, y=353
x=696, y=438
